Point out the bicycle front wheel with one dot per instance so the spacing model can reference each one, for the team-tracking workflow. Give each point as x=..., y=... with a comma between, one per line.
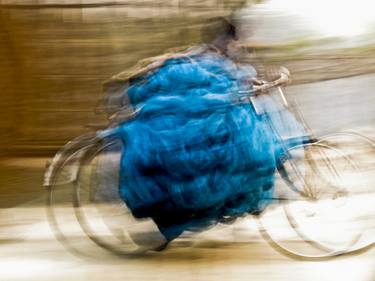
x=318, y=190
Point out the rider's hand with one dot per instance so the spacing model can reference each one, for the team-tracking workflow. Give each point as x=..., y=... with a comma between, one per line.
x=256, y=81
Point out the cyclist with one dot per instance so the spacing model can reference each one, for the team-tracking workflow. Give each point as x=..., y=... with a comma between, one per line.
x=196, y=153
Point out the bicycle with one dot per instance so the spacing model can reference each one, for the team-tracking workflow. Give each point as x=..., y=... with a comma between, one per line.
x=319, y=171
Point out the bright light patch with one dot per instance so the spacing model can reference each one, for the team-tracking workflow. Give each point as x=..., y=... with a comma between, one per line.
x=18, y=268
x=331, y=17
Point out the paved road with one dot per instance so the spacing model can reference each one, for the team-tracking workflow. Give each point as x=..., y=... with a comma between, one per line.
x=29, y=251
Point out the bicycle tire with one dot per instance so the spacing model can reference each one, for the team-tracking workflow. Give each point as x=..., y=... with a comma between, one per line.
x=326, y=251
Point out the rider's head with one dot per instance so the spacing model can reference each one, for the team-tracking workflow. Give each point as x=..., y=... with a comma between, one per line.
x=219, y=32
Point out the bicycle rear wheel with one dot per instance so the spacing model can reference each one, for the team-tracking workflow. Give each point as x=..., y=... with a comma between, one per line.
x=84, y=203
x=100, y=211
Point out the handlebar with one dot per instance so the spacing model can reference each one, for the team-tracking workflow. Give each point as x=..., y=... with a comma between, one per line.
x=284, y=75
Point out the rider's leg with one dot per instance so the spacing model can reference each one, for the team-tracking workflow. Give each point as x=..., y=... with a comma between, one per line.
x=116, y=214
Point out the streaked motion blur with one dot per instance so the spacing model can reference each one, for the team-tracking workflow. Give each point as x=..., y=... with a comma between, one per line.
x=54, y=59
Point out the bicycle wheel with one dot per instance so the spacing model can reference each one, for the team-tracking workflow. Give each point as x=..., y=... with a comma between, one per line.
x=83, y=207
x=100, y=211
x=320, y=210
x=59, y=179
x=360, y=149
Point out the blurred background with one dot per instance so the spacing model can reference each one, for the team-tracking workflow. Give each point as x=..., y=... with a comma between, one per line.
x=55, y=55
